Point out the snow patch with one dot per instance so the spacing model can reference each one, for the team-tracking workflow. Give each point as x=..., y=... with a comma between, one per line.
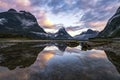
x=113, y=18
x=56, y=35
x=27, y=23
x=2, y=21
x=38, y=33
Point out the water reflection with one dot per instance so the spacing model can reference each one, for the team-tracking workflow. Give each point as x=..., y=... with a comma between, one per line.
x=46, y=61
x=19, y=55
x=24, y=54
x=85, y=46
x=114, y=58
x=87, y=65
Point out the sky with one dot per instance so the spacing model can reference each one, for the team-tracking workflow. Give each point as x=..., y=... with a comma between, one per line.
x=75, y=15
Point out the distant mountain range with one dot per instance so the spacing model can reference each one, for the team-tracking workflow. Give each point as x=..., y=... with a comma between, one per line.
x=112, y=28
x=24, y=24
x=86, y=35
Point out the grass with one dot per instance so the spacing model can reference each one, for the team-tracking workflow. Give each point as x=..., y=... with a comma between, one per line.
x=101, y=40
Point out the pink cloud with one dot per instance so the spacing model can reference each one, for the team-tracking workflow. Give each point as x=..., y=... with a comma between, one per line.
x=23, y=2
x=43, y=20
x=16, y=4
x=3, y=4
x=98, y=25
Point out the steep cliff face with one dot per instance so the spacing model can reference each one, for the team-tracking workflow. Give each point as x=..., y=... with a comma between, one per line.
x=112, y=28
x=20, y=23
x=24, y=24
x=62, y=34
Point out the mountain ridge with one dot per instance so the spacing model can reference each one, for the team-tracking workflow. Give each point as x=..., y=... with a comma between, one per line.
x=24, y=24
x=86, y=35
x=112, y=29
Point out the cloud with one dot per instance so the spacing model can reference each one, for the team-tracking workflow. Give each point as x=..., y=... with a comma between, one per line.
x=22, y=3
x=46, y=23
x=94, y=11
x=100, y=11
x=43, y=20
x=16, y=4
x=3, y=5
x=76, y=32
x=98, y=25
x=74, y=28
x=96, y=16
x=82, y=13
x=27, y=5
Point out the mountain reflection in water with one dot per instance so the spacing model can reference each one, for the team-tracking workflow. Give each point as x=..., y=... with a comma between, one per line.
x=56, y=61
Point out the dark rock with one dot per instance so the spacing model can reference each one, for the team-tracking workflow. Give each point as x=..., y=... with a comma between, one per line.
x=20, y=23
x=24, y=24
x=62, y=34
x=112, y=28
x=12, y=10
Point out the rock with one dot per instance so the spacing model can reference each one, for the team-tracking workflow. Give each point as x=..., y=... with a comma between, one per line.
x=112, y=28
x=62, y=34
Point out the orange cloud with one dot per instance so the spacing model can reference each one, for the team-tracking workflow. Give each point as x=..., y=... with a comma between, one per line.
x=44, y=57
x=43, y=20
x=46, y=23
x=47, y=55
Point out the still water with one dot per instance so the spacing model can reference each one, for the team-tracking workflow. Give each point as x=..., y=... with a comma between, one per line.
x=56, y=61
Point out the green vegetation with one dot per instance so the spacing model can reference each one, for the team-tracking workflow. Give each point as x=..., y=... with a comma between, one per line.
x=116, y=33
x=73, y=43
x=12, y=36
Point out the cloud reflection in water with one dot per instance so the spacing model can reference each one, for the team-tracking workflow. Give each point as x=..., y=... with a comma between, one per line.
x=72, y=64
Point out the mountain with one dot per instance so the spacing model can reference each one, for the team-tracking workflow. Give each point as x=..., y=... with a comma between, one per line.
x=62, y=34
x=112, y=28
x=22, y=23
x=86, y=35
x=15, y=24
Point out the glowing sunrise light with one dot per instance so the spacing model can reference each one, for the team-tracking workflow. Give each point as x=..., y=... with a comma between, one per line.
x=47, y=55
x=70, y=13
x=44, y=57
x=47, y=23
